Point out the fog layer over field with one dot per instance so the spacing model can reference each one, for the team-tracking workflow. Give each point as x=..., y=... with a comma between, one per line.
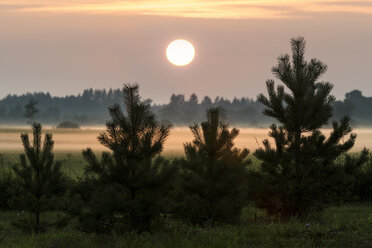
x=74, y=140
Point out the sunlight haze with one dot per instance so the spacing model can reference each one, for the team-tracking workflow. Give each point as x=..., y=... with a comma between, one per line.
x=64, y=47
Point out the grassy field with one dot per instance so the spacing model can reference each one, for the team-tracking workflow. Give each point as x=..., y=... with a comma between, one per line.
x=338, y=226
x=73, y=162
x=347, y=226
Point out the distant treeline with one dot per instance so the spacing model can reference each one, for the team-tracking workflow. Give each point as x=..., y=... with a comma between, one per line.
x=90, y=108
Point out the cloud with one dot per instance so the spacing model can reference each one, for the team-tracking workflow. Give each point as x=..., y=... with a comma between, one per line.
x=19, y=6
x=348, y=3
x=238, y=9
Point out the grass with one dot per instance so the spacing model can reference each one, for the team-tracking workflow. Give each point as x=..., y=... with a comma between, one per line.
x=73, y=162
x=346, y=226
x=337, y=226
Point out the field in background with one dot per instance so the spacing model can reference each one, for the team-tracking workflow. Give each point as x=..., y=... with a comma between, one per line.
x=74, y=140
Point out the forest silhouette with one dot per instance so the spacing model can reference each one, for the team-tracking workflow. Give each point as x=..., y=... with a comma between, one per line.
x=90, y=108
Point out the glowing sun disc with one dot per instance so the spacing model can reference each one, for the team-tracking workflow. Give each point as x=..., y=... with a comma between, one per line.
x=180, y=52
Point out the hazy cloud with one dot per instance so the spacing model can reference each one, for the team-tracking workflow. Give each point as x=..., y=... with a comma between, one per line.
x=348, y=3
x=19, y=6
x=196, y=8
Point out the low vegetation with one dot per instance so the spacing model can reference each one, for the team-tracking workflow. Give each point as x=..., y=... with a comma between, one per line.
x=348, y=226
x=68, y=124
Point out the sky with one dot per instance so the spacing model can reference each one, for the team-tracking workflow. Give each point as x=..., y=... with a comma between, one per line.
x=66, y=46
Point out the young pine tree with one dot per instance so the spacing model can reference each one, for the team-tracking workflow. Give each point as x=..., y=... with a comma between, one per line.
x=298, y=174
x=213, y=186
x=127, y=187
x=39, y=182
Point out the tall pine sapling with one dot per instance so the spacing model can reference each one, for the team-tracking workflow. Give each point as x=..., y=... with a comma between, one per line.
x=213, y=186
x=127, y=186
x=39, y=182
x=297, y=174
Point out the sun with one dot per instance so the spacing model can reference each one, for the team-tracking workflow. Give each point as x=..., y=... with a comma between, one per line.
x=180, y=52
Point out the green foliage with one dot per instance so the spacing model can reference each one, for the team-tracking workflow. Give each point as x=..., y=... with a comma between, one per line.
x=5, y=184
x=364, y=183
x=125, y=189
x=351, y=171
x=39, y=183
x=356, y=184
x=213, y=174
x=299, y=173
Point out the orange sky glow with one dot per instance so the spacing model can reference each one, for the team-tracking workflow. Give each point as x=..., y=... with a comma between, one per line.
x=65, y=46
x=195, y=8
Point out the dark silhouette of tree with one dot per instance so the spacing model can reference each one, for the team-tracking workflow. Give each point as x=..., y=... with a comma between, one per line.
x=213, y=187
x=296, y=175
x=39, y=183
x=174, y=111
x=192, y=112
x=31, y=110
x=206, y=103
x=16, y=113
x=359, y=105
x=3, y=112
x=127, y=186
x=50, y=114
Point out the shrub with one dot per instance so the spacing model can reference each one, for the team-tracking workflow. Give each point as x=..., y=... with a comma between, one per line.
x=68, y=124
x=357, y=182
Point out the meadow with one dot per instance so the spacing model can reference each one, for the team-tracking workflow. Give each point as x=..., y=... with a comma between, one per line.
x=340, y=226
x=349, y=225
